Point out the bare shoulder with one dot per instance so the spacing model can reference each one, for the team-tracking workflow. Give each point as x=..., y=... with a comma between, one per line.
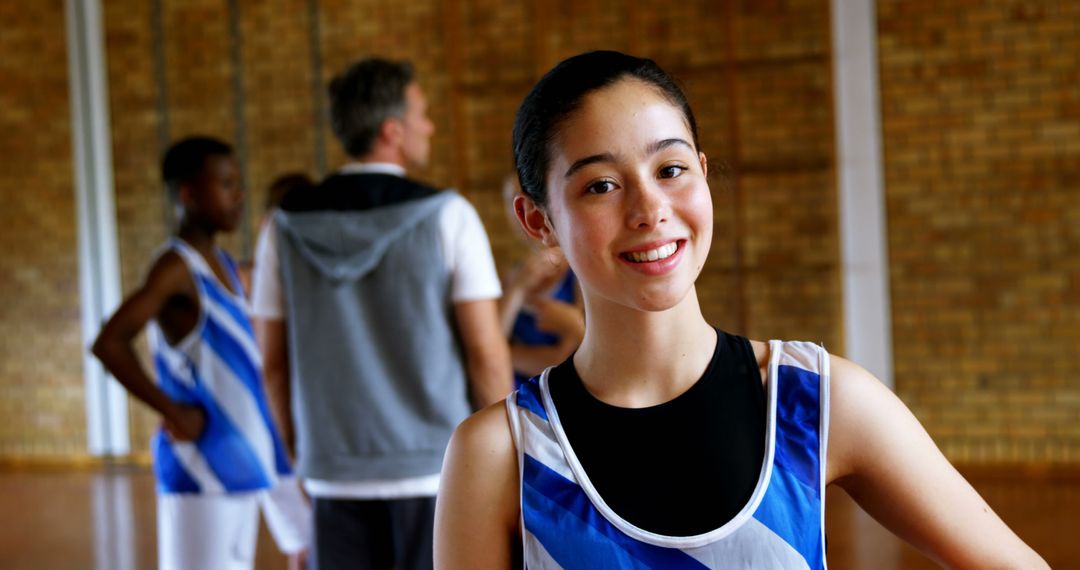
x=476, y=515
x=481, y=458
x=167, y=282
x=850, y=383
x=485, y=432
x=884, y=458
x=862, y=413
x=169, y=274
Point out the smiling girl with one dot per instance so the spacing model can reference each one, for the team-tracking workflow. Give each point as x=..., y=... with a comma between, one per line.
x=664, y=442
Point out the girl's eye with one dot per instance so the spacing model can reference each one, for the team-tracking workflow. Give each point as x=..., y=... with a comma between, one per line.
x=672, y=171
x=600, y=187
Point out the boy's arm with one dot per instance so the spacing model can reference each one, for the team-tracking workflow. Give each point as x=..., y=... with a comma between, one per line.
x=880, y=454
x=167, y=278
x=487, y=354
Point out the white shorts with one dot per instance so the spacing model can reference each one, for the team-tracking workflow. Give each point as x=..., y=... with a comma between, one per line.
x=220, y=531
x=207, y=531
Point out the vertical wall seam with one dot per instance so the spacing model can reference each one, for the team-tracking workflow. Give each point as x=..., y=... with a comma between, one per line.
x=161, y=81
x=742, y=309
x=460, y=171
x=863, y=220
x=240, y=148
x=318, y=94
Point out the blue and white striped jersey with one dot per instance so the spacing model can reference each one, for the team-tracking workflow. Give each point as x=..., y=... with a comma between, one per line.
x=566, y=523
x=217, y=366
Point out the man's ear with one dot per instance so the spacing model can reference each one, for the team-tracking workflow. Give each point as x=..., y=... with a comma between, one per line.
x=534, y=220
x=390, y=131
x=185, y=196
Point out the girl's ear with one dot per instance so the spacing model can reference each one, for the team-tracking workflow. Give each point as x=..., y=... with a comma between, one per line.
x=534, y=220
x=704, y=164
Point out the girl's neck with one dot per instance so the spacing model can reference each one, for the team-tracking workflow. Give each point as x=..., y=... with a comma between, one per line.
x=635, y=359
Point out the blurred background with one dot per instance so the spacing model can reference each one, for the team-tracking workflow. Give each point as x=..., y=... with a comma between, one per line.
x=899, y=181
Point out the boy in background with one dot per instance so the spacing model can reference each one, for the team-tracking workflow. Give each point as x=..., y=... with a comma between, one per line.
x=218, y=456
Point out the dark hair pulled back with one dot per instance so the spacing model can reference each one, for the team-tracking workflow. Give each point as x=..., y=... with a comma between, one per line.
x=560, y=92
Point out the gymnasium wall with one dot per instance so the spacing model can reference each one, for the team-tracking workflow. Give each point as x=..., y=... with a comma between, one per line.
x=41, y=387
x=759, y=77
x=981, y=120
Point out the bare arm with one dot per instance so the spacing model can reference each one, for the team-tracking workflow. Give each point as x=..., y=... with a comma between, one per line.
x=882, y=456
x=168, y=277
x=564, y=320
x=487, y=356
x=540, y=271
x=513, y=298
x=476, y=513
x=271, y=334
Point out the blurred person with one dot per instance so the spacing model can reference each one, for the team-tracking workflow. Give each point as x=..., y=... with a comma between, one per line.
x=218, y=456
x=282, y=185
x=540, y=309
x=375, y=298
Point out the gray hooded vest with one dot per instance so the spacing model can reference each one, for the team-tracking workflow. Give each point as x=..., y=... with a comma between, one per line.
x=377, y=376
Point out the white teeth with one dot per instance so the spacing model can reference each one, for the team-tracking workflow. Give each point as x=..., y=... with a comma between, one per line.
x=661, y=252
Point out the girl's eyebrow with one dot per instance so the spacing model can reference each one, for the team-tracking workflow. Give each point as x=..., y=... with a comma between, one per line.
x=658, y=146
x=583, y=162
x=651, y=149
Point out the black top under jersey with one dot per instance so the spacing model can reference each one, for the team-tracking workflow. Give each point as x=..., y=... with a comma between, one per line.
x=657, y=466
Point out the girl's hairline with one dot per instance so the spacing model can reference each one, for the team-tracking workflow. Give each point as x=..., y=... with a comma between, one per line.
x=562, y=118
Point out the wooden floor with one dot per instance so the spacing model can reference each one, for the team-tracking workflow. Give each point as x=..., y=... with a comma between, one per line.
x=104, y=520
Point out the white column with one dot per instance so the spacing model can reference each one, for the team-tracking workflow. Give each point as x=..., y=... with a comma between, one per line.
x=99, y=273
x=863, y=230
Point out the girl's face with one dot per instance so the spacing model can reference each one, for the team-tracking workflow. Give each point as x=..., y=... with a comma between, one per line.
x=627, y=199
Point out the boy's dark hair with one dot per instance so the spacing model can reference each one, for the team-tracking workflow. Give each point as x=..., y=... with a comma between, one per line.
x=363, y=96
x=185, y=159
x=560, y=92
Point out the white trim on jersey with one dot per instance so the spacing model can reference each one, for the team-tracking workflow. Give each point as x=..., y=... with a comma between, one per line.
x=760, y=535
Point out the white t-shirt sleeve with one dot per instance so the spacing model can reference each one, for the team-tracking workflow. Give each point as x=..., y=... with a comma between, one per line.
x=288, y=515
x=468, y=253
x=267, y=301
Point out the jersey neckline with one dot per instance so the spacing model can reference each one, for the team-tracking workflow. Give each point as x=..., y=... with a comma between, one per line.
x=638, y=533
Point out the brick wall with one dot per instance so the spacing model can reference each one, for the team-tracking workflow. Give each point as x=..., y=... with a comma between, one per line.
x=757, y=76
x=981, y=119
x=981, y=136
x=41, y=384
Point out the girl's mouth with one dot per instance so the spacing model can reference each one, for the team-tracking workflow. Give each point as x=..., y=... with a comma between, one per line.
x=655, y=254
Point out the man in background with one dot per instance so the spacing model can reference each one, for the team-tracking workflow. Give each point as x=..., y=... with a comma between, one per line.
x=375, y=301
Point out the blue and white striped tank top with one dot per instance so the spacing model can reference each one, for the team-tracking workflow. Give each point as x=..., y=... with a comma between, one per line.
x=216, y=366
x=566, y=523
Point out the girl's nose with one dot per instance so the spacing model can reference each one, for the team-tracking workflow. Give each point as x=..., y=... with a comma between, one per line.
x=649, y=206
